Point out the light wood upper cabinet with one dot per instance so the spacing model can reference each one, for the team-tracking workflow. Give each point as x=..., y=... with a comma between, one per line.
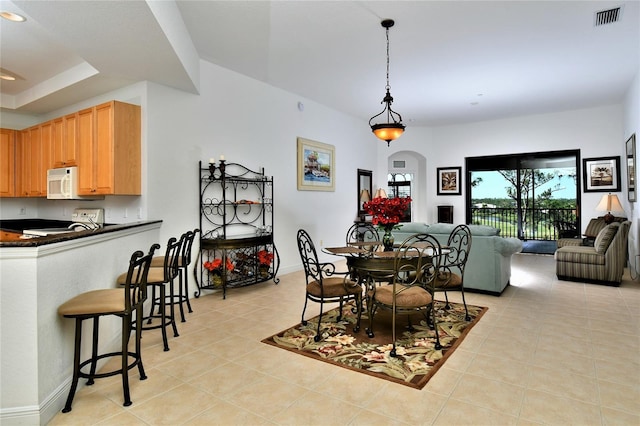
x=102, y=141
x=65, y=146
x=31, y=172
x=109, y=160
x=7, y=163
x=46, y=152
x=86, y=151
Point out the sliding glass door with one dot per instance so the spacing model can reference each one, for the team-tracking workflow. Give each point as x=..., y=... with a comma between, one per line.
x=525, y=195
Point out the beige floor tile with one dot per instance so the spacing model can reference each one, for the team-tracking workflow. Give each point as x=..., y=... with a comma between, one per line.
x=312, y=408
x=462, y=413
x=620, y=397
x=551, y=409
x=223, y=413
x=612, y=417
x=534, y=358
x=557, y=359
x=224, y=378
x=369, y=418
x=500, y=369
x=352, y=387
x=492, y=394
x=266, y=396
x=565, y=384
x=141, y=390
x=394, y=401
x=174, y=406
x=190, y=365
x=121, y=419
x=618, y=370
x=444, y=381
x=89, y=409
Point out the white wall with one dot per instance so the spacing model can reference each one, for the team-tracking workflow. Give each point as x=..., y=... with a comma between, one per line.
x=255, y=124
x=631, y=126
x=250, y=123
x=597, y=132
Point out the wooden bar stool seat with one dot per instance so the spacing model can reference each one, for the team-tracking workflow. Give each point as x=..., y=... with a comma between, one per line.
x=121, y=302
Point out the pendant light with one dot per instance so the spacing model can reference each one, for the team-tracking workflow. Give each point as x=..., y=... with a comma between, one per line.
x=393, y=128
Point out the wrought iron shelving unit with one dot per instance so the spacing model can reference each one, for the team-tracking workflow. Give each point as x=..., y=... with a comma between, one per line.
x=236, y=223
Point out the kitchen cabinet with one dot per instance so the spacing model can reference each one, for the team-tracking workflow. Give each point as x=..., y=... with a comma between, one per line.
x=64, y=144
x=7, y=162
x=46, y=152
x=109, y=153
x=32, y=159
x=236, y=228
x=30, y=173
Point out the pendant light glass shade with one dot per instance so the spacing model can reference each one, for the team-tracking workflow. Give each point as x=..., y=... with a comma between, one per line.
x=393, y=128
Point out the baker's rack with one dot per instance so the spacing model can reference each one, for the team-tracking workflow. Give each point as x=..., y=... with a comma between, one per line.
x=236, y=223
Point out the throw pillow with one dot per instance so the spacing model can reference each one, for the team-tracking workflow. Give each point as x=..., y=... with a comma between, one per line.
x=605, y=236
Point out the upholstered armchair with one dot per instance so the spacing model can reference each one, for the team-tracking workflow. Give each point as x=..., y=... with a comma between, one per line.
x=603, y=262
x=590, y=233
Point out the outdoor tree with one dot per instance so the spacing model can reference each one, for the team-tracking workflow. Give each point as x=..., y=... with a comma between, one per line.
x=530, y=181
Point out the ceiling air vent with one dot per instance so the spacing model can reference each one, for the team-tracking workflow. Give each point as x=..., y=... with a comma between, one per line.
x=608, y=16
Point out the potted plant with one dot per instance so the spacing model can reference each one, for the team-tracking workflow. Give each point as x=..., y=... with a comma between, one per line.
x=215, y=270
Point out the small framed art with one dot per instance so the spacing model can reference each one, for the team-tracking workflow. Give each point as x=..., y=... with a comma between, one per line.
x=449, y=180
x=316, y=166
x=601, y=174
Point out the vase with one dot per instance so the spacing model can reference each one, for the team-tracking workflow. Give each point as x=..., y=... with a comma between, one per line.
x=263, y=271
x=216, y=279
x=387, y=239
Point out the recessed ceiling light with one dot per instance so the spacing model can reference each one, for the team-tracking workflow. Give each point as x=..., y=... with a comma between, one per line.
x=10, y=16
x=8, y=75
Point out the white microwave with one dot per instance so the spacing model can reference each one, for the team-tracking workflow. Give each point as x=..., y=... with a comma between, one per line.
x=62, y=184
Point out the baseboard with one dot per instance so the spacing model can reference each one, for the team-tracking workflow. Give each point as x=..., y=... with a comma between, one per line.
x=28, y=415
x=490, y=293
x=588, y=281
x=37, y=415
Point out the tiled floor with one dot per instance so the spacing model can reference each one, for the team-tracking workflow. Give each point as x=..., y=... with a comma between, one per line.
x=546, y=352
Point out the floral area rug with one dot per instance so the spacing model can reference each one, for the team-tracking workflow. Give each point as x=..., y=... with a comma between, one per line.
x=417, y=359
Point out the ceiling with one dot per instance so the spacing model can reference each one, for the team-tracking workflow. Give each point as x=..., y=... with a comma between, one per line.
x=451, y=61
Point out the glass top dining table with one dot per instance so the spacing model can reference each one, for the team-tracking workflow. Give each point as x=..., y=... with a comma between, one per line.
x=367, y=264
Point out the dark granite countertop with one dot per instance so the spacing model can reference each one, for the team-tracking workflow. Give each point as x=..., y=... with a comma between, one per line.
x=18, y=225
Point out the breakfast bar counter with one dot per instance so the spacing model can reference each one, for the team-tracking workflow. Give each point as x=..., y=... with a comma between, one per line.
x=36, y=276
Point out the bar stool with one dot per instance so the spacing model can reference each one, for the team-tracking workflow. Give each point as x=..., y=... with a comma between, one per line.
x=184, y=260
x=159, y=278
x=114, y=301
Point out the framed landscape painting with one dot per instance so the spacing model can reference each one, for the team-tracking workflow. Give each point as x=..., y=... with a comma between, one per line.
x=601, y=174
x=316, y=166
x=449, y=180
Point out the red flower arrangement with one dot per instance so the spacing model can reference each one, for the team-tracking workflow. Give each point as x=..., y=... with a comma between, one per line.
x=216, y=265
x=265, y=257
x=387, y=211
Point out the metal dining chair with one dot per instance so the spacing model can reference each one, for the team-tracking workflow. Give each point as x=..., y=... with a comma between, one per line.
x=323, y=285
x=415, y=266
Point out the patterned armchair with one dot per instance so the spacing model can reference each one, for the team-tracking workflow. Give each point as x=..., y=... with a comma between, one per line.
x=593, y=228
x=603, y=262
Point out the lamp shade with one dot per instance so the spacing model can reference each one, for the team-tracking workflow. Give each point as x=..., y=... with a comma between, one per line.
x=381, y=193
x=365, y=196
x=388, y=131
x=609, y=203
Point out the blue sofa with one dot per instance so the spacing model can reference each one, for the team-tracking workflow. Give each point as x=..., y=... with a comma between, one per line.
x=488, y=269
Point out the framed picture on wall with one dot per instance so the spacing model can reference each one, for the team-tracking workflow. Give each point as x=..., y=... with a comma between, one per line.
x=631, y=168
x=601, y=174
x=316, y=166
x=448, y=180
